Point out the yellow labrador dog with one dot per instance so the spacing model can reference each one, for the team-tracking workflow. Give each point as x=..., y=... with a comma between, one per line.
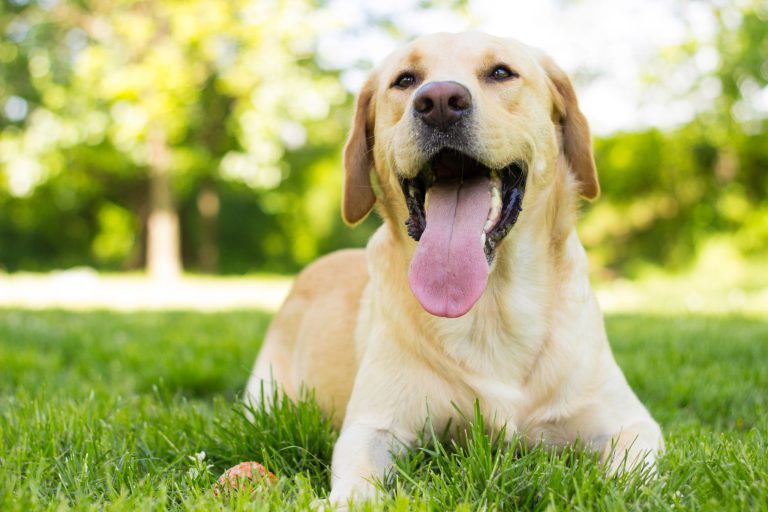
x=475, y=153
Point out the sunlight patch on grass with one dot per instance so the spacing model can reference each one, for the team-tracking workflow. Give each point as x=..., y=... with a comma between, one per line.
x=86, y=289
x=720, y=281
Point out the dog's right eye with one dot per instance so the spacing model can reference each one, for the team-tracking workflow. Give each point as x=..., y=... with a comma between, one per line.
x=502, y=72
x=404, y=81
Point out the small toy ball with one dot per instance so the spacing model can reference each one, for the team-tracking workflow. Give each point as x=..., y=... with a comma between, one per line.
x=246, y=475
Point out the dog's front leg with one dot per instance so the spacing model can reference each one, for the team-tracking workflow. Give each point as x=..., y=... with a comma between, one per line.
x=636, y=445
x=361, y=456
x=383, y=416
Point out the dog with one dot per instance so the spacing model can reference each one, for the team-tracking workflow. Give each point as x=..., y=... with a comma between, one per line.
x=475, y=288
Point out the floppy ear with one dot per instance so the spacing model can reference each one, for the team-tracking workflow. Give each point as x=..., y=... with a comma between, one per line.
x=577, y=143
x=358, y=197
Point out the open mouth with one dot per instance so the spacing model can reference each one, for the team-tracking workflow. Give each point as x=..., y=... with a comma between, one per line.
x=459, y=210
x=506, y=188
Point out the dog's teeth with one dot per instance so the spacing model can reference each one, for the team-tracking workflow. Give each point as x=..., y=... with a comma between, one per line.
x=495, y=211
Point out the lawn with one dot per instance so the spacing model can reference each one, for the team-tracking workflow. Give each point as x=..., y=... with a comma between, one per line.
x=110, y=411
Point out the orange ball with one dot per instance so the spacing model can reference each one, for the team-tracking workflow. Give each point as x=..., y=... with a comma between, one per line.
x=246, y=475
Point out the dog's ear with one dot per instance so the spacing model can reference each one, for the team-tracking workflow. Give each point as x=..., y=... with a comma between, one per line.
x=577, y=142
x=358, y=197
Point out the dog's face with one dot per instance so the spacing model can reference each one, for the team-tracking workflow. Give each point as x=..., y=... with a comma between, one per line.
x=457, y=127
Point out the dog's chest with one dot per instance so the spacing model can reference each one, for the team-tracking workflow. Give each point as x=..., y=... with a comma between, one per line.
x=491, y=364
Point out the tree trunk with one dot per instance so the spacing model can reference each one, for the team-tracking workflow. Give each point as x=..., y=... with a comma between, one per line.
x=163, y=240
x=208, y=208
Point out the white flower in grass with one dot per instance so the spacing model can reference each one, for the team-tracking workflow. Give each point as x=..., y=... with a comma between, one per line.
x=199, y=467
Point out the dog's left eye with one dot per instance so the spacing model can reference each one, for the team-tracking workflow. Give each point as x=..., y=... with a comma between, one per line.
x=502, y=72
x=404, y=81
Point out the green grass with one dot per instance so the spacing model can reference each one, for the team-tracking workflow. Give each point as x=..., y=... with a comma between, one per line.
x=106, y=411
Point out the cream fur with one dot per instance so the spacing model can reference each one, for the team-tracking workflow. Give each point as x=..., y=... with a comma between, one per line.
x=533, y=349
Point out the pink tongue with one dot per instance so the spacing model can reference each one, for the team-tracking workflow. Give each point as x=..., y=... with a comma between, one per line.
x=449, y=271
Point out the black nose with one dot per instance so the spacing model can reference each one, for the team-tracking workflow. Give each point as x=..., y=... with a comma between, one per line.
x=442, y=104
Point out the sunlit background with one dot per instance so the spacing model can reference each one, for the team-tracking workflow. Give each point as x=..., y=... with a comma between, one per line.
x=149, y=146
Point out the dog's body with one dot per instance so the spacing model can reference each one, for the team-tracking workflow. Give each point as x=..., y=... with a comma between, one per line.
x=523, y=335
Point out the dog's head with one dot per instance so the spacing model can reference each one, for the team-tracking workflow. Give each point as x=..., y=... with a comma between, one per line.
x=456, y=128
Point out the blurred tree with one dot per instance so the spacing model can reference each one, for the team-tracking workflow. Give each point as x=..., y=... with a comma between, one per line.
x=192, y=90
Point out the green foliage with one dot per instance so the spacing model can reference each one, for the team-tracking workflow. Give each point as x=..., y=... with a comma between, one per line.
x=90, y=90
x=211, y=91
x=114, y=411
x=666, y=194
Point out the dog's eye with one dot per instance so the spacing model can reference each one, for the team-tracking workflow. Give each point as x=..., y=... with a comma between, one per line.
x=502, y=72
x=404, y=81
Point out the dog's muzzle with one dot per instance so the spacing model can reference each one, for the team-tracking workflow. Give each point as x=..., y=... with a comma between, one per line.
x=506, y=187
x=458, y=208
